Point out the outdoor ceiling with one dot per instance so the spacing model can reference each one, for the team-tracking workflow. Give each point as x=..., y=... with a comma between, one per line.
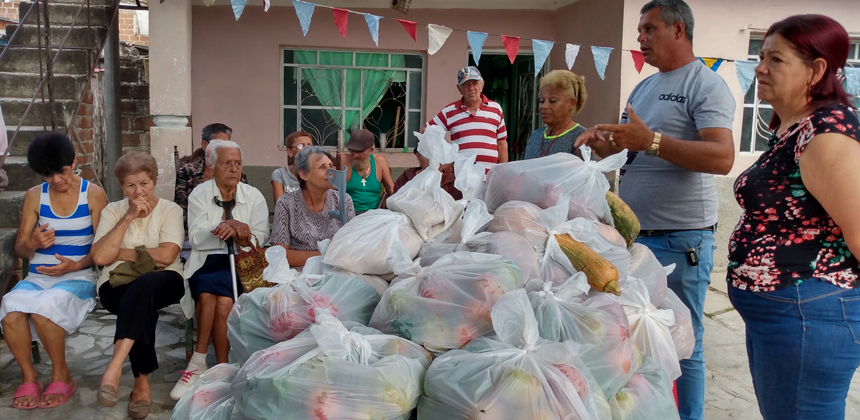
x=421, y=4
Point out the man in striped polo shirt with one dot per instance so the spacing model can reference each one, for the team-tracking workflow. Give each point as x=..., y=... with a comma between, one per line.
x=475, y=122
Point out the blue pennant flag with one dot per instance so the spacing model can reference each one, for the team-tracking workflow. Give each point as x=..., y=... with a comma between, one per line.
x=746, y=73
x=238, y=7
x=541, y=51
x=305, y=11
x=711, y=63
x=476, y=41
x=852, y=80
x=373, y=25
x=601, y=59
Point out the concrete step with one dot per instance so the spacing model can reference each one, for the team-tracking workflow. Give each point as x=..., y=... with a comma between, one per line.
x=80, y=37
x=10, y=208
x=23, y=85
x=64, y=14
x=21, y=177
x=13, y=109
x=8, y=259
x=22, y=141
x=20, y=59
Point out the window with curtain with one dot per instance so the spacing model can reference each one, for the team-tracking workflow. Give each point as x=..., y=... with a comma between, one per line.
x=757, y=113
x=330, y=92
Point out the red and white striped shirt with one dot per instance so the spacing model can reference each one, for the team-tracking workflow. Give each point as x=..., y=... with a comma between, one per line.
x=480, y=132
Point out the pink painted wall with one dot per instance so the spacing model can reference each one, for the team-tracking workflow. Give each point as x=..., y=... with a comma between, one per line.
x=236, y=70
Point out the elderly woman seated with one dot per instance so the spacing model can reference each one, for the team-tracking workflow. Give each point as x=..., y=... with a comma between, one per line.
x=138, y=242
x=56, y=233
x=208, y=267
x=301, y=216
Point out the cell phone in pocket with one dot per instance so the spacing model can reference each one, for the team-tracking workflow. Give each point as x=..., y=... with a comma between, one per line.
x=692, y=257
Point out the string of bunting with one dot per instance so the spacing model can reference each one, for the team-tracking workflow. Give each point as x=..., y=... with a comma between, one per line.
x=437, y=36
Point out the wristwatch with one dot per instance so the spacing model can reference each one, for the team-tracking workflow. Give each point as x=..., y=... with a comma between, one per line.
x=654, y=148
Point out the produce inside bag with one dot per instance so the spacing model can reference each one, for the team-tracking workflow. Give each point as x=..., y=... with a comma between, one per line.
x=267, y=316
x=449, y=303
x=599, y=327
x=516, y=376
x=544, y=180
x=475, y=219
x=331, y=372
x=645, y=266
x=646, y=396
x=430, y=208
x=376, y=242
x=316, y=266
x=682, y=330
x=210, y=398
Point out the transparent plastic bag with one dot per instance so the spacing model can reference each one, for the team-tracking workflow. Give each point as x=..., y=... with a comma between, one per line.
x=544, y=180
x=210, y=398
x=278, y=271
x=600, y=328
x=376, y=242
x=316, y=266
x=475, y=219
x=332, y=372
x=272, y=315
x=449, y=303
x=646, y=267
x=516, y=376
x=682, y=330
x=512, y=246
x=646, y=396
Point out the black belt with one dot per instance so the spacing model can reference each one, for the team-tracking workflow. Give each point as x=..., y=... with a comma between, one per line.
x=712, y=228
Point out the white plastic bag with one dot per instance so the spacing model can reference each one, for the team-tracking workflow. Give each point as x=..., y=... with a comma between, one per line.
x=331, y=372
x=475, y=219
x=512, y=246
x=518, y=376
x=646, y=267
x=682, y=330
x=449, y=303
x=316, y=266
x=278, y=271
x=376, y=242
x=430, y=208
x=646, y=396
x=542, y=181
x=210, y=398
x=469, y=175
x=600, y=328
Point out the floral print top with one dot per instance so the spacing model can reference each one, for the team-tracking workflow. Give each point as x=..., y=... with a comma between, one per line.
x=785, y=236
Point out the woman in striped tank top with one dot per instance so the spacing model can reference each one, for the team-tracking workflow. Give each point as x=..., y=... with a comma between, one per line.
x=57, y=226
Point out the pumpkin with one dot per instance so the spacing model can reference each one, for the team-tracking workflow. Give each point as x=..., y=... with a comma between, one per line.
x=601, y=274
x=626, y=222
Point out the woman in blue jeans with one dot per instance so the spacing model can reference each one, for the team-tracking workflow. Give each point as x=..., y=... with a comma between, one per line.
x=792, y=258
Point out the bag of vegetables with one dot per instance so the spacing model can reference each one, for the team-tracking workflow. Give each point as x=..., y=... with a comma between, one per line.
x=449, y=303
x=682, y=330
x=376, y=242
x=331, y=372
x=210, y=398
x=516, y=376
x=646, y=396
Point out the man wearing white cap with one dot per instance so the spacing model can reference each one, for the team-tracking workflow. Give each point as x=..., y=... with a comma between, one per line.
x=475, y=122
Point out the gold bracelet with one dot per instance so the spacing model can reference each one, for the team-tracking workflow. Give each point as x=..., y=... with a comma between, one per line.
x=654, y=148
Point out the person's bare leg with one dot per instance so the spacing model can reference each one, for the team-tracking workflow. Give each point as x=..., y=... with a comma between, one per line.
x=219, y=329
x=206, y=303
x=141, y=389
x=53, y=338
x=16, y=330
x=113, y=372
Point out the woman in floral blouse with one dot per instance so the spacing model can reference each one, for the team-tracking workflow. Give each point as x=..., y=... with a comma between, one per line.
x=792, y=260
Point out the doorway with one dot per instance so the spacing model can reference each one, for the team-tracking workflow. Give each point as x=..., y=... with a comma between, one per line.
x=514, y=87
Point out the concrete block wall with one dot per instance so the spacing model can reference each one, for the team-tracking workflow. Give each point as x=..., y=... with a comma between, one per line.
x=126, y=22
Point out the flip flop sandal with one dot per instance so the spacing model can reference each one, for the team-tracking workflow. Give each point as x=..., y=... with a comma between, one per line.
x=30, y=389
x=59, y=388
x=108, y=396
x=138, y=409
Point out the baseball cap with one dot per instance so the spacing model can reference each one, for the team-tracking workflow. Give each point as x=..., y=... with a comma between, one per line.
x=468, y=73
x=360, y=140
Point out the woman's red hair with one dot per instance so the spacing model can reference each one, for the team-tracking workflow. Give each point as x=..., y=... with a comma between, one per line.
x=813, y=37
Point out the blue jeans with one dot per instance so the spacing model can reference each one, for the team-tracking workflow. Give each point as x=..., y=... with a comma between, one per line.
x=803, y=344
x=690, y=283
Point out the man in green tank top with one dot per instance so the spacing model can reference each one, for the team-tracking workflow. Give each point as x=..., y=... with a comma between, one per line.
x=368, y=175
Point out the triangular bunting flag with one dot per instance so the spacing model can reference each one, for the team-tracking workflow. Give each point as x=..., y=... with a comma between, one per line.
x=638, y=60
x=266, y=5
x=601, y=59
x=373, y=26
x=512, y=46
x=206, y=2
x=238, y=7
x=712, y=63
x=570, y=53
x=476, y=41
x=541, y=51
x=340, y=19
x=852, y=80
x=437, y=35
x=410, y=27
x=746, y=73
x=305, y=11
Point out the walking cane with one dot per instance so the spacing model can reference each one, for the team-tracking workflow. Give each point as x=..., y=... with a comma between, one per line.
x=231, y=245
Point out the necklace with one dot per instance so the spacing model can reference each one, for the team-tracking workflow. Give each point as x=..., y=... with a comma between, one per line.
x=565, y=130
x=364, y=176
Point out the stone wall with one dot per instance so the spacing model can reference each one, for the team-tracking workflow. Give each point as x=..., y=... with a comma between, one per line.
x=126, y=21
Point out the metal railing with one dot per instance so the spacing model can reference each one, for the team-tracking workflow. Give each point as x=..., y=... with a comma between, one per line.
x=46, y=69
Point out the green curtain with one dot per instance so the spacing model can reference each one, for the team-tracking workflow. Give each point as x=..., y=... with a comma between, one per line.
x=328, y=83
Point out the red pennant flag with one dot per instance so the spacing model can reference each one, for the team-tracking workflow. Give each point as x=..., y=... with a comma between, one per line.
x=340, y=18
x=638, y=60
x=410, y=27
x=512, y=46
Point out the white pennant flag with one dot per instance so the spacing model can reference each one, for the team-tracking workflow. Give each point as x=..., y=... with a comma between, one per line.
x=206, y=2
x=570, y=53
x=266, y=5
x=437, y=36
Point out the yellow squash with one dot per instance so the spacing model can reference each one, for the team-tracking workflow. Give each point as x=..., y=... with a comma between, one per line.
x=626, y=222
x=601, y=274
